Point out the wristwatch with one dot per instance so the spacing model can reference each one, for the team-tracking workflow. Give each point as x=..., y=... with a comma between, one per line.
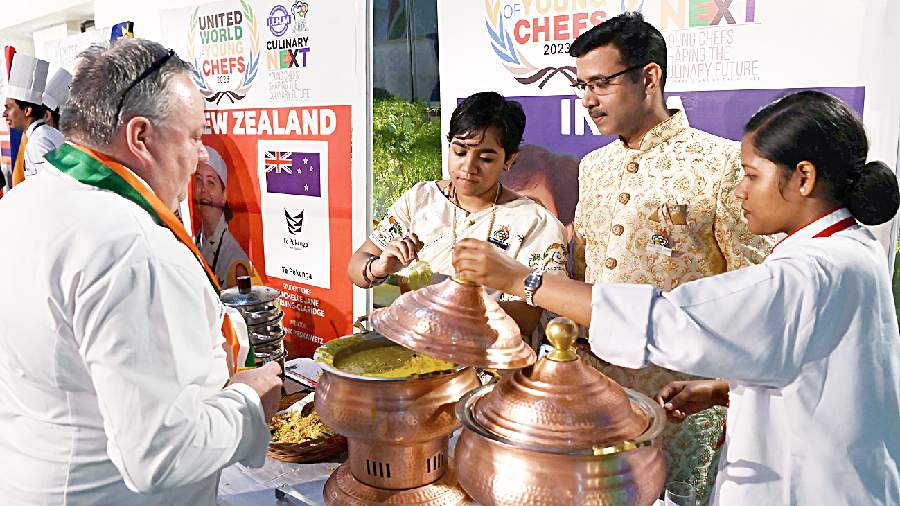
x=532, y=283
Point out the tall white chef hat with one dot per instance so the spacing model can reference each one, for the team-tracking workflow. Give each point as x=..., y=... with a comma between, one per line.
x=218, y=164
x=27, y=79
x=57, y=89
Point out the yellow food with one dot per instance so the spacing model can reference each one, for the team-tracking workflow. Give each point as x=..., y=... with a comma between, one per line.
x=293, y=427
x=391, y=362
x=419, y=275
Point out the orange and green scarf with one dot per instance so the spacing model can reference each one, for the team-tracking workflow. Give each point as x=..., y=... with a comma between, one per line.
x=96, y=169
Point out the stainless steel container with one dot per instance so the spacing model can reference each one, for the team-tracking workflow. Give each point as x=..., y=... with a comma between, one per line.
x=260, y=308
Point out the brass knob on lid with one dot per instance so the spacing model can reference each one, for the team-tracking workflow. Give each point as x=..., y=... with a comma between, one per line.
x=463, y=281
x=562, y=333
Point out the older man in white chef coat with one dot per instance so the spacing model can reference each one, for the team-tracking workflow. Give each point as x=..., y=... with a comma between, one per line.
x=113, y=375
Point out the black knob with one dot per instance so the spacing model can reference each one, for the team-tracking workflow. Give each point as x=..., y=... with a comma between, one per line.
x=244, y=284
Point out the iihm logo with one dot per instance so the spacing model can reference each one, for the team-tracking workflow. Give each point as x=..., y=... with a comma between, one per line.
x=279, y=20
x=224, y=48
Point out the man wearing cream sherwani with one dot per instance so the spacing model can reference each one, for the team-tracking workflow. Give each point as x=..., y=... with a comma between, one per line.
x=656, y=206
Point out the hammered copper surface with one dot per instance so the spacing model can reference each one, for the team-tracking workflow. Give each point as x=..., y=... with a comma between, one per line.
x=400, y=466
x=560, y=405
x=407, y=411
x=495, y=474
x=397, y=429
x=560, y=433
x=342, y=489
x=455, y=321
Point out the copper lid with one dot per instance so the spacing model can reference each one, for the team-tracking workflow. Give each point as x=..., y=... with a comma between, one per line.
x=457, y=321
x=561, y=402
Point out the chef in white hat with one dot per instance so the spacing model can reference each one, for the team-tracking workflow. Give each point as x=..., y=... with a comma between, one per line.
x=55, y=96
x=220, y=249
x=25, y=111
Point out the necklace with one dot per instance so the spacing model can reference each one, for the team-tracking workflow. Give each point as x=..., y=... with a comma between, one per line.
x=420, y=274
x=457, y=206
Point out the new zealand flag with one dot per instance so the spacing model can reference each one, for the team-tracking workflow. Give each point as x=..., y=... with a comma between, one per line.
x=293, y=173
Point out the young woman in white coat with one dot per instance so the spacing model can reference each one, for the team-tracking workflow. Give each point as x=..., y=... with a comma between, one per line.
x=807, y=342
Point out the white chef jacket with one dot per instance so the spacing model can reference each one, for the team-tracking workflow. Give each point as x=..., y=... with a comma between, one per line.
x=809, y=342
x=42, y=139
x=112, y=367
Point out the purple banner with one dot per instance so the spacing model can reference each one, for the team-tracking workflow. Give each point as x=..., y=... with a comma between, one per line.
x=557, y=135
x=293, y=173
x=723, y=113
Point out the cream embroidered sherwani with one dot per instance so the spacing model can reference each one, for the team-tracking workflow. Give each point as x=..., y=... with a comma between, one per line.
x=626, y=196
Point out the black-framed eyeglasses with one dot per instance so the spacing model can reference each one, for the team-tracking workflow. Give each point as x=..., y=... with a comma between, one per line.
x=600, y=85
x=144, y=75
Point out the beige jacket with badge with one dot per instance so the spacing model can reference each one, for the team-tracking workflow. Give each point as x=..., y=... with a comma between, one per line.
x=679, y=186
x=664, y=215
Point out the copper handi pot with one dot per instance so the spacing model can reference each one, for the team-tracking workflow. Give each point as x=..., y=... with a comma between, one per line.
x=457, y=321
x=560, y=433
x=397, y=430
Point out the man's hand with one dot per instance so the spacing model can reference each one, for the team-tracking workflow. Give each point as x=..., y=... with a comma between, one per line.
x=397, y=255
x=266, y=382
x=482, y=263
x=683, y=398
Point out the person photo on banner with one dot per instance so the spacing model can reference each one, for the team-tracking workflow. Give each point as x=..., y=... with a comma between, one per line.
x=224, y=254
x=655, y=206
x=115, y=385
x=547, y=177
x=428, y=220
x=25, y=111
x=807, y=341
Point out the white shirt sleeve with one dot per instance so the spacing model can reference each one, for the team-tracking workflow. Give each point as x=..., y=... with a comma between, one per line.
x=751, y=325
x=43, y=141
x=145, y=332
x=397, y=222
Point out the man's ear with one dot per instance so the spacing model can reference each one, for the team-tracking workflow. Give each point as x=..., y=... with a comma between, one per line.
x=652, y=77
x=137, y=132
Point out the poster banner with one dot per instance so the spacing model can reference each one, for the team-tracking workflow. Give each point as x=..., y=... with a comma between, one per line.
x=725, y=61
x=283, y=197
x=64, y=51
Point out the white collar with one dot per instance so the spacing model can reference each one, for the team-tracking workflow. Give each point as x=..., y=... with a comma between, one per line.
x=217, y=234
x=816, y=227
x=33, y=126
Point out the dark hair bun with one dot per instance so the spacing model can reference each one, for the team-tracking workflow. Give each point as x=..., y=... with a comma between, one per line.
x=875, y=197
